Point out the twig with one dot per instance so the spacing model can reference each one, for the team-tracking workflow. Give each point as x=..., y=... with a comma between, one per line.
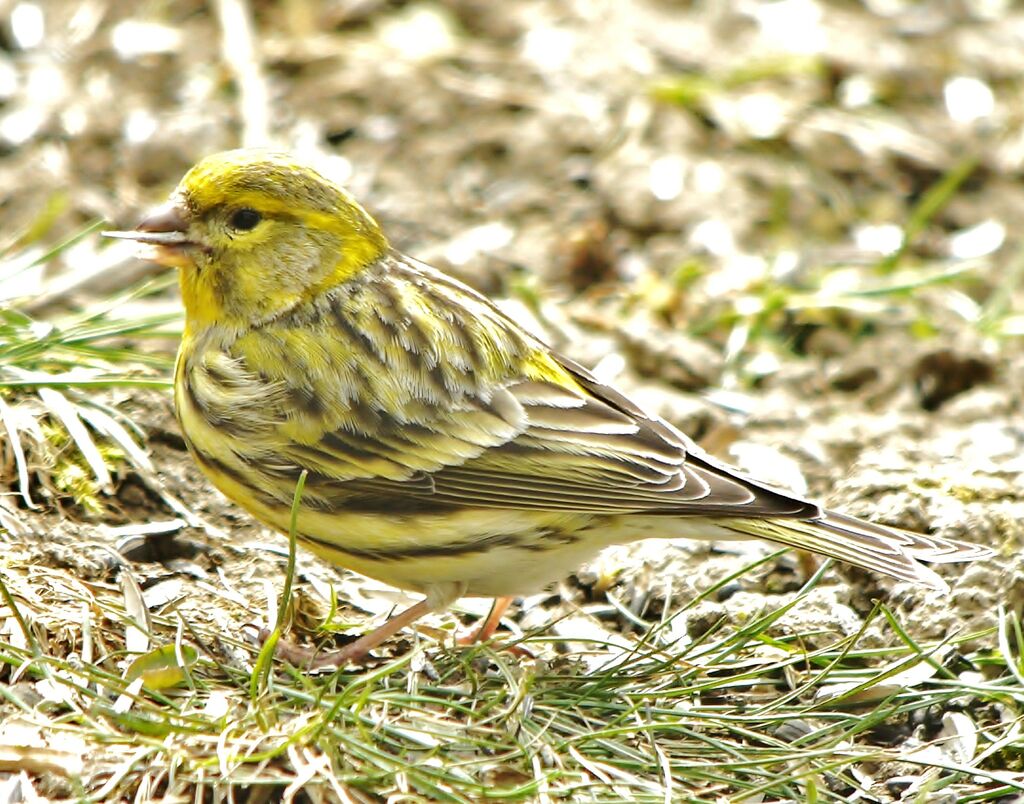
x=240, y=54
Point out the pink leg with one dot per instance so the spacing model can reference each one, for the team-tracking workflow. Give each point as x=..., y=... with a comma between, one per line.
x=437, y=600
x=487, y=628
x=356, y=651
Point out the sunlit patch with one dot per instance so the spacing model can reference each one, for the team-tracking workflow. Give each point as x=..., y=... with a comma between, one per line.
x=74, y=120
x=739, y=273
x=714, y=236
x=8, y=80
x=549, y=48
x=610, y=367
x=795, y=25
x=28, y=26
x=667, y=174
x=139, y=126
x=334, y=168
x=884, y=238
x=21, y=125
x=977, y=241
x=133, y=39
x=762, y=115
x=47, y=84
x=478, y=240
x=708, y=177
x=857, y=91
x=420, y=33
x=968, y=99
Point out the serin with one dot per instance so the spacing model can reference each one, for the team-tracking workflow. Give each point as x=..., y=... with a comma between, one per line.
x=448, y=451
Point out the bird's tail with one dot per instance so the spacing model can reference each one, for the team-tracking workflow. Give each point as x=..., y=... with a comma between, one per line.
x=891, y=551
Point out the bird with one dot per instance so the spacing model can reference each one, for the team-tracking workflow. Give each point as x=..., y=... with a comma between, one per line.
x=446, y=450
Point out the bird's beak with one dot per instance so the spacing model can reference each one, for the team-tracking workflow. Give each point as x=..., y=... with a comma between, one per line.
x=165, y=228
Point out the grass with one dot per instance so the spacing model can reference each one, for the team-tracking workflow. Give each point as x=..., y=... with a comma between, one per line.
x=63, y=439
x=746, y=713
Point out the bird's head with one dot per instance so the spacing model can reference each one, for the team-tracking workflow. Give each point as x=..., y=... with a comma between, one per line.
x=256, y=233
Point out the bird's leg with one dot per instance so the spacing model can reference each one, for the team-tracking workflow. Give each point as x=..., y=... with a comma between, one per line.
x=437, y=599
x=356, y=651
x=486, y=629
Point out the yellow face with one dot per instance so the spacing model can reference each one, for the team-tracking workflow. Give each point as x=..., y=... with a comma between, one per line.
x=254, y=233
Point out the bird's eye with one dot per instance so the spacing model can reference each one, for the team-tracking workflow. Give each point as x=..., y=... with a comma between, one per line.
x=244, y=219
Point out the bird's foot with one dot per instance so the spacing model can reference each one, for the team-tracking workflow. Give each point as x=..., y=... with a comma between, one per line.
x=356, y=652
x=353, y=653
x=487, y=628
x=311, y=658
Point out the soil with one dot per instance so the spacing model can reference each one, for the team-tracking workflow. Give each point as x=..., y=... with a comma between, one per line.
x=633, y=179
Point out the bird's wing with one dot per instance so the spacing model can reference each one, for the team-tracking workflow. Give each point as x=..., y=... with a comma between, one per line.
x=540, y=445
x=569, y=443
x=597, y=451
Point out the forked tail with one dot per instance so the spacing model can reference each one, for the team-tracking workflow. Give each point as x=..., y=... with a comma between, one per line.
x=891, y=551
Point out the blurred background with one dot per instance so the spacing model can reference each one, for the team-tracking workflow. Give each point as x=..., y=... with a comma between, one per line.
x=772, y=177
x=676, y=153
x=791, y=227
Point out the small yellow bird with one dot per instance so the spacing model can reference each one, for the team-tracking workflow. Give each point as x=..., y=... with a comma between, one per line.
x=448, y=451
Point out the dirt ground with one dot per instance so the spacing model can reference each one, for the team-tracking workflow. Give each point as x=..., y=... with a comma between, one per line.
x=705, y=200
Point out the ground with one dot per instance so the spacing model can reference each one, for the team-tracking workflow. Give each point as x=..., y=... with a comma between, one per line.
x=787, y=227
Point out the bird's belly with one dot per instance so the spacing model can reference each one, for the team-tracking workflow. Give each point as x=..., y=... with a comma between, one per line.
x=519, y=552
x=492, y=552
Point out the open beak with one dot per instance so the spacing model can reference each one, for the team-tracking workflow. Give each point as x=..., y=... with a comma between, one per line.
x=165, y=228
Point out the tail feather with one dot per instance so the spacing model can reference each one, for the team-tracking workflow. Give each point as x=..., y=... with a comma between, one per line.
x=891, y=551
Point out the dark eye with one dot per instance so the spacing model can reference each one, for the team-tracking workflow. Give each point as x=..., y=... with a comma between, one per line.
x=244, y=219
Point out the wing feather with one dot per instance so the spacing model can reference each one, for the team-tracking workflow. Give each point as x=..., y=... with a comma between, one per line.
x=587, y=450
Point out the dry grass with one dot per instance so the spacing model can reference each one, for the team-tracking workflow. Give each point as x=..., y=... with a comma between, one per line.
x=741, y=714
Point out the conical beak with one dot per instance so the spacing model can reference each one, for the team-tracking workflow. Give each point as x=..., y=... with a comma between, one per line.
x=166, y=228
